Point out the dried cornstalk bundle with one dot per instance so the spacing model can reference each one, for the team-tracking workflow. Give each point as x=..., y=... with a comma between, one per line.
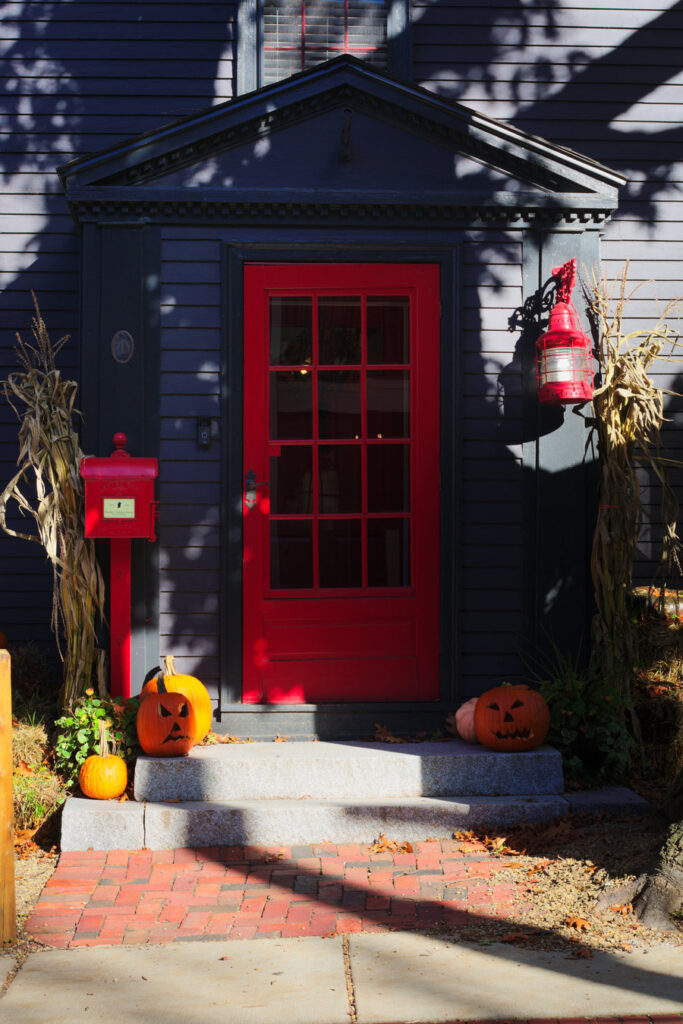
x=47, y=487
x=629, y=415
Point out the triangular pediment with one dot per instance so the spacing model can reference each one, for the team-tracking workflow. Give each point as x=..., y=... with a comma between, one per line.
x=342, y=132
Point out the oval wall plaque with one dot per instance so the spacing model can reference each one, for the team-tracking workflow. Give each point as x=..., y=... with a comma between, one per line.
x=122, y=346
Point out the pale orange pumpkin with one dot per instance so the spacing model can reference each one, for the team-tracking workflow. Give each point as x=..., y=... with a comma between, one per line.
x=190, y=687
x=464, y=721
x=103, y=776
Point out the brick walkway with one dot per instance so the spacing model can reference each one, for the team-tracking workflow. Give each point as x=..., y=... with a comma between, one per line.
x=125, y=897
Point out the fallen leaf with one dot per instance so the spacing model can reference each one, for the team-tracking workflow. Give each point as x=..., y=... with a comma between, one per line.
x=572, y=921
x=23, y=769
x=280, y=739
x=624, y=909
x=537, y=868
x=385, y=735
x=384, y=845
x=582, y=953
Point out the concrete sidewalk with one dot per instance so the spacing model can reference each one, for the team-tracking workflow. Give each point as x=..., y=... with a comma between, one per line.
x=363, y=978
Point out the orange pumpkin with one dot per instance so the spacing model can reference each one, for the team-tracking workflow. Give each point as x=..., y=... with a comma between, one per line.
x=511, y=718
x=464, y=721
x=103, y=776
x=190, y=687
x=166, y=723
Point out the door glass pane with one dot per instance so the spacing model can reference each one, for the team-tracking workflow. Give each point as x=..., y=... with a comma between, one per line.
x=339, y=403
x=291, y=331
x=291, y=480
x=388, y=552
x=291, y=553
x=340, y=553
x=388, y=403
x=388, y=478
x=388, y=330
x=291, y=404
x=339, y=478
x=338, y=330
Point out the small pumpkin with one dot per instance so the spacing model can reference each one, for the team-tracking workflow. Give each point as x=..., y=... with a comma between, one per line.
x=512, y=718
x=464, y=721
x=192, y=688
x=166, y=723
x=103, y=776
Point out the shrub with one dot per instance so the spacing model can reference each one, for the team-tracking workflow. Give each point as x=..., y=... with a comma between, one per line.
x=36, y=794
x=588, y=723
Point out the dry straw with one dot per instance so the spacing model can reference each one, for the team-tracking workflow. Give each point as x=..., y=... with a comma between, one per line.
x=629, y=416
x=48, y=488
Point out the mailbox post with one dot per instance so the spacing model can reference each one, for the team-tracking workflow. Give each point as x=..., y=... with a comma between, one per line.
x=120, y=506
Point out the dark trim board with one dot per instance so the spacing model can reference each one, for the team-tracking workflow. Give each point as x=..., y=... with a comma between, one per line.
x=335, y=717
x=121, y=290
x=558, y=599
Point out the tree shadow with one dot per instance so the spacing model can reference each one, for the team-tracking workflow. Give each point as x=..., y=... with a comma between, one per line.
x=128, y=71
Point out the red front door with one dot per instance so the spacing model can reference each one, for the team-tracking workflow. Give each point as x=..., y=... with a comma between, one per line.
x=341, y=492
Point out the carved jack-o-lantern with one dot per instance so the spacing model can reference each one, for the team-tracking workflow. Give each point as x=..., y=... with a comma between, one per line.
x=511, y=718
x=166, y=724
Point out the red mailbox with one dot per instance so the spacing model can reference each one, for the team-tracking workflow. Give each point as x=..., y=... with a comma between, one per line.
x=120, y=505
x=119, y=494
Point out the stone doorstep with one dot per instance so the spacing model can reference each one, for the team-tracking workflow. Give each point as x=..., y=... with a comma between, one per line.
x=110, y=825
x=342, y=771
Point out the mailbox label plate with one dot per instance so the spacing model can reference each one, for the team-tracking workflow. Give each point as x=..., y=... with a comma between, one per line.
x=118, y=508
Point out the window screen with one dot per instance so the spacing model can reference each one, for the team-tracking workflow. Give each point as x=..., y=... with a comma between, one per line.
x=300, y=33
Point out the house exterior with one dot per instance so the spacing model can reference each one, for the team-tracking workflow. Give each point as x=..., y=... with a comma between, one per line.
x=312, y=289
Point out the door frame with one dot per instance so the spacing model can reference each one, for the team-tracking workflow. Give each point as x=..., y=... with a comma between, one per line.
x=235, y=256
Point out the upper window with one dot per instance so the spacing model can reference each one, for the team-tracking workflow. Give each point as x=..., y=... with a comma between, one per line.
x=300, y=33
x=278, y=38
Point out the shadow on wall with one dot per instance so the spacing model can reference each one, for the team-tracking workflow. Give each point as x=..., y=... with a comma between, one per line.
x=76, y=80
x=132, y=67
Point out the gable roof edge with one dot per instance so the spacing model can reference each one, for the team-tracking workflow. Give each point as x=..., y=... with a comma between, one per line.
x=181, y=142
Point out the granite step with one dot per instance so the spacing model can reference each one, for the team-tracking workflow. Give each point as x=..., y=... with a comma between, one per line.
x=351, y=771
x=298, y=793
x=110, y=825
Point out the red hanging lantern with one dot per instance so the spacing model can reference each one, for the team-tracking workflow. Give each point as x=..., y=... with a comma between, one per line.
x=564, y=358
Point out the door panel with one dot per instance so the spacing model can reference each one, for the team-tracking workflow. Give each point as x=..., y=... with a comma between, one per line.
x=341, y=464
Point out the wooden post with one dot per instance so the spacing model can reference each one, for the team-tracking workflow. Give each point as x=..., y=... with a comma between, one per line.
x=8, y=919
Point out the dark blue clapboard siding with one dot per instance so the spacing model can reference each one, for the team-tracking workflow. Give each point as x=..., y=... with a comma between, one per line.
x=190, y=532
x=79, y=76
x=598, y=78
x=595, y=77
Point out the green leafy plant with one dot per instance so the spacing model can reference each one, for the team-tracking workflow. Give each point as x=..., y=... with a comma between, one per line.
x=588, y=722
x=78, y=731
